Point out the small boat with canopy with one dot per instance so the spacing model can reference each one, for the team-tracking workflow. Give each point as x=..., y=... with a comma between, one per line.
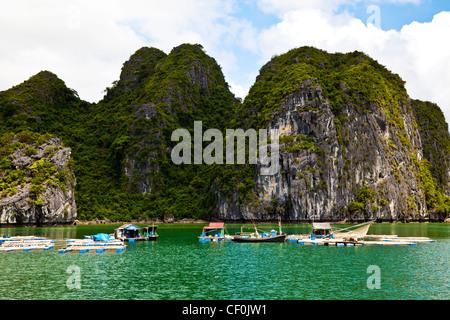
x=215, y=231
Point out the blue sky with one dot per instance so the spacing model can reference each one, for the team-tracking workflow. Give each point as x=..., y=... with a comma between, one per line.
x=396, y=15
x=86, y=42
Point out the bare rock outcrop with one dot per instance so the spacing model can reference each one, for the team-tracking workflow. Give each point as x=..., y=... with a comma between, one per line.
x=37, y=182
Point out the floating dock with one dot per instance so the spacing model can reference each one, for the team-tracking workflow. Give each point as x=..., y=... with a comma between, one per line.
x=216, y=239
x=340, y=243
x=323, y=234
x=89, y=245
x=96, y=249
x=90, y=242
x=378, y=240
x=25, y=244
x=394, y=238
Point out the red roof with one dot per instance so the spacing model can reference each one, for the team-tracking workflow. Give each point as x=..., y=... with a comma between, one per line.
x=215, y=225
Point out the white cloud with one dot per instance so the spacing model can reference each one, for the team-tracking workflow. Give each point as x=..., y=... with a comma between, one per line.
x=419, y=52
x=238, y=90
x=86, y=42
x=83, y=47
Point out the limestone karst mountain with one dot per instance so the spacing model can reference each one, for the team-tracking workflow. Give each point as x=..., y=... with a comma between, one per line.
x=353, y=144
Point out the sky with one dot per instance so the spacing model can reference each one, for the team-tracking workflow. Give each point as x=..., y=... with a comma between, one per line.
x=85, y=43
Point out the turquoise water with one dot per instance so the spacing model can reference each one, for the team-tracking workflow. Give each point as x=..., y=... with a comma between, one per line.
x=178, y=266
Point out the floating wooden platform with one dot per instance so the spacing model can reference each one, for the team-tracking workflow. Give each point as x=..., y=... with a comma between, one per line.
x=340, y=243
x=96, y=249
x=394, y=237
x=5, y=239
x=25, y=244
x=367, y=240
x=217, y=239
x=89, y=245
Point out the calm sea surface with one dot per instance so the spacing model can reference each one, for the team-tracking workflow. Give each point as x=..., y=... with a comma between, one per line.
x=178, y=266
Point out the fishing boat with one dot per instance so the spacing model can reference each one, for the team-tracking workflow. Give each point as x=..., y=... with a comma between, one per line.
x=132, y=233
x=260, y=236
x=215, y=231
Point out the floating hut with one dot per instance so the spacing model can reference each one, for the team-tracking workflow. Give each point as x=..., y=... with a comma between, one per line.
x=321, y=231
x=132, y=233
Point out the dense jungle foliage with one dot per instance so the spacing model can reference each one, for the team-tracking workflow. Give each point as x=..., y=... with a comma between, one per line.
x=121, y=145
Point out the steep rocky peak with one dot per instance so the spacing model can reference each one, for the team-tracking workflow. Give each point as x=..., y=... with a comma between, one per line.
x=45, y=84
x=39, y=93
x=198, y=68
x=183, y=79
x=140, y=65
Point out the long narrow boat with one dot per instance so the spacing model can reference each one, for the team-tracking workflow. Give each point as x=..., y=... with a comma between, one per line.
x=258, y=236
x=269, y=238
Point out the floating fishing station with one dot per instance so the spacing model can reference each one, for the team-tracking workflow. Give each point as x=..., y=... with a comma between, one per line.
x=132, y=233
x=324, y=234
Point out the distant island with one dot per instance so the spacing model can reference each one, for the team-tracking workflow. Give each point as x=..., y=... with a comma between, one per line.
x=352, y=144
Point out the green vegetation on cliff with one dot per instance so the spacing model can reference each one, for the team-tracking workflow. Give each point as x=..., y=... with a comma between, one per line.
x=353, y=83
x=121, y=146
x=26, y=161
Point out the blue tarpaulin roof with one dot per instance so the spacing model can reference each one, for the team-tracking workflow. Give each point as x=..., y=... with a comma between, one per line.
x=132, y=227
x=100, y=237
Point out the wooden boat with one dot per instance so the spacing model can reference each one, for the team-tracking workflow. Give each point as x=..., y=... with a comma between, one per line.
x=132, y=233
x=258, y=236
x=277, y=238
x=215, y=231
x=150, y=232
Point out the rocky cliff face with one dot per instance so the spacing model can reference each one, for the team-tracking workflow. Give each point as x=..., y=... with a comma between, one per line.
x=37, y=181
x=182, y=86
x=353, y=145
x=435, y=138
x=164, y=93
x=359, y=160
